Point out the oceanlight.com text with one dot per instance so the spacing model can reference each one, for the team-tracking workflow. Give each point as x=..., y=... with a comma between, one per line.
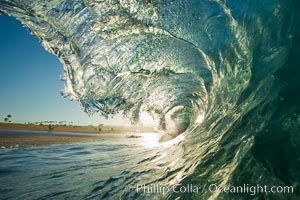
x=213, y=188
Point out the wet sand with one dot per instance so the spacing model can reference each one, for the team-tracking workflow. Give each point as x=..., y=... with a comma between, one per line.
x=19, y=139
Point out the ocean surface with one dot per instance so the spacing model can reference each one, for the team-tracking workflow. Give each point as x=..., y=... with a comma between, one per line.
x=72, y=171
x=220, y=79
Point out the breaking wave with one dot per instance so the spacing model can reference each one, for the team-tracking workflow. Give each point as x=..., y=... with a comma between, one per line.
x=217, y=76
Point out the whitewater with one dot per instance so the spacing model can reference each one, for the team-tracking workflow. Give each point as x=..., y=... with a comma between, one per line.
x=220, y=79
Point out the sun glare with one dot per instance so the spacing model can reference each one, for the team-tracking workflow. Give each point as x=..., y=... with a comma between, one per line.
x=200, y=119
x=147, y=120
x=150, y=140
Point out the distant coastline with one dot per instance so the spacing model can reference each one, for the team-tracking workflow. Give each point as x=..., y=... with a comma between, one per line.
x=22, y=135
x=73, y=128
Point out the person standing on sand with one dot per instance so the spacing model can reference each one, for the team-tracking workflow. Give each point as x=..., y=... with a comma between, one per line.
x=50, y=128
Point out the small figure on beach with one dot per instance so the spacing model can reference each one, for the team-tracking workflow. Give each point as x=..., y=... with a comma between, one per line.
x=50, y=128
x=100, y=127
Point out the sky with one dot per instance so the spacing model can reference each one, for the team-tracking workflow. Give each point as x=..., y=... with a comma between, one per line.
x=29, y=81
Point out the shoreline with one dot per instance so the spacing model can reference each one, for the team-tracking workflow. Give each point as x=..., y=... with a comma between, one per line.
x=29, y=135
x=18, y=138
x=73, y=128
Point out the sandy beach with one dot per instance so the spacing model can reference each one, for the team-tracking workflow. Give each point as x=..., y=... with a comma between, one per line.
x=20, y=135
x=56, y=128
x=24, y=139
x=73, y=128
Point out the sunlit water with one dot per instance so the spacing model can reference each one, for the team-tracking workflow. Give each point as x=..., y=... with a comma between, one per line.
x=69, y=171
